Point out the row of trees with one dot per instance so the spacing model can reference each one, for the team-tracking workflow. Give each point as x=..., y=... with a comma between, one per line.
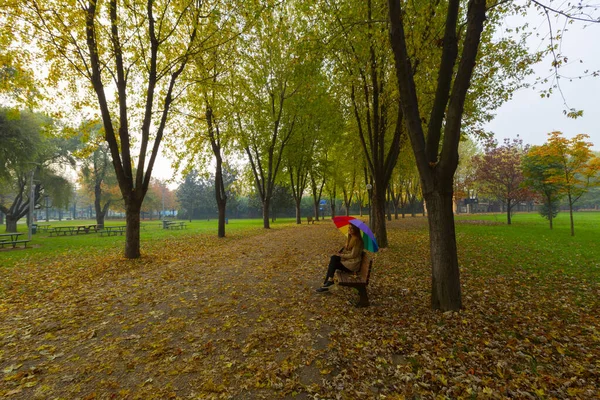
x=514, y=173
x=304, y=88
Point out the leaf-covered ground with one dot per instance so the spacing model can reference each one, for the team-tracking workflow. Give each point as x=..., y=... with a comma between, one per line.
x=238, y=318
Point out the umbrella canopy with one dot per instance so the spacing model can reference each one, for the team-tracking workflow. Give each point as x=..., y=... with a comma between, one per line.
x=369, y=240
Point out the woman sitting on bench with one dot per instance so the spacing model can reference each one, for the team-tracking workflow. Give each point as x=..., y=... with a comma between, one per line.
x=348, y=259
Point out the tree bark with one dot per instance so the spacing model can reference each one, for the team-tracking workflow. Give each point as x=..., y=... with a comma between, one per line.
x=298, y=212
x=132, y=233
x=508, y=209
x=445, y=276
x=571, y=214
x=266, y=204
x=378, y=214
x=11, y=223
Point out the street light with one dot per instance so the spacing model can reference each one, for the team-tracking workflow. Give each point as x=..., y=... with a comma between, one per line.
x=31, y=196
x=46, y=198
x=369, y=187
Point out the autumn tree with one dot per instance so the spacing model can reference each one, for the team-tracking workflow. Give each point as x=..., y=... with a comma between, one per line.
x=499, y=174
x=206, y=123
x=277, y=68
x=435, y=126
x=96, y=174
x=364, y=74
x=316, y=128
x=539, y=167
x=572, y=166
x=133, y=53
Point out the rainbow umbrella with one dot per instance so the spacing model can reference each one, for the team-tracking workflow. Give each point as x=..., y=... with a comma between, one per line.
x=368, y=238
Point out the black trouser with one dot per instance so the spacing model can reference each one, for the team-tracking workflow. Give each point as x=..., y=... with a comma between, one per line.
x=335, y=263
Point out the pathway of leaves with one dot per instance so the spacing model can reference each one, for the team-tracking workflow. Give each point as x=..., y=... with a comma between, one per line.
x=238, y=318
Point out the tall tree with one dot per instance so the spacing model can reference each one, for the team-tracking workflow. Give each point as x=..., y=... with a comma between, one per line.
x=435, y=138
x=364, y=60
x=539, y=167
x=277, y=66
x=97, y=174
x=575, y=167
x=499, y=174
x=189, y=194
x=119, y=48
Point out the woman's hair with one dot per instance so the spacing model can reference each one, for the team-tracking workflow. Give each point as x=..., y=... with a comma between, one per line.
x=353, y=239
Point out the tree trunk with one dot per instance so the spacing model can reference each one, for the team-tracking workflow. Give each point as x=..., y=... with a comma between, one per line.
x=571, y=215
x=388, y=204
x=100, y=213
x=11, y=223
x=445, y=290
x=221, y=197
x=298, y=211
x=378, y=214
x=132, y=239
x=508, y=216
x=266, y=205
x=316, y=209
x=550, y=211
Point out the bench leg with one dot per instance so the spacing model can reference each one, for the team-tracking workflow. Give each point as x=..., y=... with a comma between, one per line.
x=363, y=300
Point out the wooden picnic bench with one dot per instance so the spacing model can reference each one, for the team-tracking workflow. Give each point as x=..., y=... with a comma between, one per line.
x=87, y=228
x=13, y=239
x=175, y=225
x=112, y=230
x=358, y=280
x=61, y=230
x=43, y=227
x=310, y=220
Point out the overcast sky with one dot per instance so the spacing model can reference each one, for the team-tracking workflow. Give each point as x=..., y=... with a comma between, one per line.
x=530, y=116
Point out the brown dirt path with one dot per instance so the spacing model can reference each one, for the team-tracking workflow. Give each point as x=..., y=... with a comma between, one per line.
x=218, y=320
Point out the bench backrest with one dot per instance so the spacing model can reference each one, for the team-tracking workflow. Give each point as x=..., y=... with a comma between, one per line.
x=365, y=267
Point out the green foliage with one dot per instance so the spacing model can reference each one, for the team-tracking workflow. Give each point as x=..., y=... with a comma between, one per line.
x=549, y=210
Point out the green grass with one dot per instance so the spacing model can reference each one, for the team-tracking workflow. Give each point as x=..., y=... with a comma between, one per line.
x=489, y=248
x=43, y=247
x=528, y=243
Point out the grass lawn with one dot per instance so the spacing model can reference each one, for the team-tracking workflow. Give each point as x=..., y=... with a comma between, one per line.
x=45, y=247
x=528, y=243
x=198, y=317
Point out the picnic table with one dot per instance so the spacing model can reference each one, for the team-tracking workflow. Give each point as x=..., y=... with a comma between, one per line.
x=43, y=227
x=112, y=230
x=173, y=225
x=73, y=229
x=12, y=238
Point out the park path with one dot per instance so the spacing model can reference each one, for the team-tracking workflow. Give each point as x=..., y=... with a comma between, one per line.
x=216, y=317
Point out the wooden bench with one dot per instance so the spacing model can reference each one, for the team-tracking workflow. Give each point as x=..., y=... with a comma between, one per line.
x=112, y=230
x=358, y=280
x=15, y=242
x=310, y=220
x=176, y=225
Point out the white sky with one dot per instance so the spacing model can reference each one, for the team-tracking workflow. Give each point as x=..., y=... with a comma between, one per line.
x=532, y=117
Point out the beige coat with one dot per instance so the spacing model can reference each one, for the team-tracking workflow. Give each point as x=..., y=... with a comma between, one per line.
x=352, y=258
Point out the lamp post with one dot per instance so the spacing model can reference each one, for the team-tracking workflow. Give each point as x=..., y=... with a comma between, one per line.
x=369, y=187
x=31, y=198
x=46, y=198
x=31, y=203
